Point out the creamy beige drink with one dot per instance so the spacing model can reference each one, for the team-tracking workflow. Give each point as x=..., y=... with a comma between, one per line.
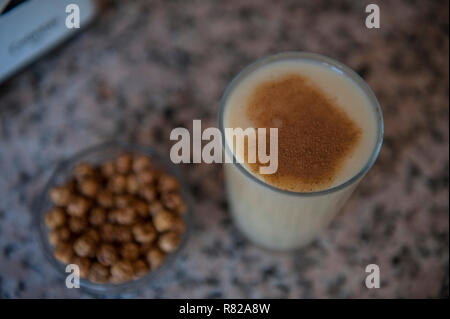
x=329, y=134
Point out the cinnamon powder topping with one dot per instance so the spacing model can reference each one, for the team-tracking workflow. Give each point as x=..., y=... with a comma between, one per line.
x=314, y=134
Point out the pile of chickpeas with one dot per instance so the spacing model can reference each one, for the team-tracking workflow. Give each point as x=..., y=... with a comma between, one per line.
x=116, y=221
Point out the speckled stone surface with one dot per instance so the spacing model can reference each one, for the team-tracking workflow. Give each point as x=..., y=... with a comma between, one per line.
x=145, y=67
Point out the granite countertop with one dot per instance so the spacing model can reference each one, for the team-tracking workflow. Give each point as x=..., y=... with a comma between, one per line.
x=144, y=67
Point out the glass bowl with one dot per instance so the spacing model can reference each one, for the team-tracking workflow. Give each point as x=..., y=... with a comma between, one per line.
x=97, y=155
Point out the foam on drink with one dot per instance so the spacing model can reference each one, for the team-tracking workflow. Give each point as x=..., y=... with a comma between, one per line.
x=326, y=125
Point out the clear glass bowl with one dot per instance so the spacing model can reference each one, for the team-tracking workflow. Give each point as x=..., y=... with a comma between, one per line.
x=97, y=155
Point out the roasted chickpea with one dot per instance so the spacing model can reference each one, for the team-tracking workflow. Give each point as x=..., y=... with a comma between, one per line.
x=112, y=216
x=59, y=235
x=78, y=206
x=55, y=218
x=123, y=163
x=145, y=248
x=155, y=258
x=172, y=200
x=89, y=187
x=84, y=264
x=63, y=252
x=108, y=233
x=93, y=234
x=123, y=216
x=122, y=201
x=117, y=184
x=105, y=198
x=164, y=221
x=77, y=224
x=83, y=170
x=141, y=162
x=123, y=234
x=60, y=196
x=132, y=184
x=121, y=271
x=99, y=273
x=97, y=216
x=126, y=216
x=129, y=251
x=108, y=169
x=144, y=233
x=146, y=177
x=107, y=254
x=167, y=183
x=141, y=208
x=169, y=241
x=148, y=193
x=155, y=207
x=85, y=246
x=140, y=268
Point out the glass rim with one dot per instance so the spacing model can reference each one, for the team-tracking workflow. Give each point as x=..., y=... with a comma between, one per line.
x=110, y=288
x=336, y=66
